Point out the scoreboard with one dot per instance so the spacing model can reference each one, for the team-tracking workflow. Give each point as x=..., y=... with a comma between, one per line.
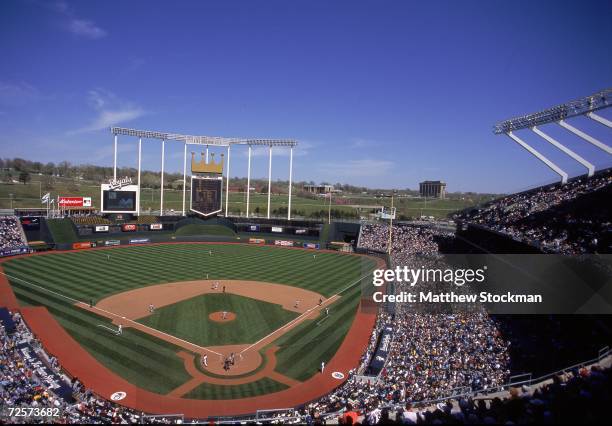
x=206, y=195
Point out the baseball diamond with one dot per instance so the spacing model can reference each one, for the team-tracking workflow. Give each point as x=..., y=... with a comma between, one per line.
x=238, y=334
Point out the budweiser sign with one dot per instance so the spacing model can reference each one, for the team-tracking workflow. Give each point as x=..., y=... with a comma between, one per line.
x=119, y=183
x=74, y=201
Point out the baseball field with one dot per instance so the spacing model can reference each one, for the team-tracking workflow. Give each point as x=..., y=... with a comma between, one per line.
x=200, y=321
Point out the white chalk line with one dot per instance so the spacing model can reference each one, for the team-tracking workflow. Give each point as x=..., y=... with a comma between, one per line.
x=109, y=313
x=306, y=313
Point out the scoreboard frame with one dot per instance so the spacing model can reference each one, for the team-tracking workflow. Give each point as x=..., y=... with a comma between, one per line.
x=191, y=209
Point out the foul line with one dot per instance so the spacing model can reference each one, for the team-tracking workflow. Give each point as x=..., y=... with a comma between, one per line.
x=290, y=323
x=109, y=313
x=306, y=313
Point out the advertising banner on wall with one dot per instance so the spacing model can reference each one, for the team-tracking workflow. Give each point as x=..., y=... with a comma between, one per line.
x=67, y=202
x=112, y=243
x=140, y=241
x=312, y=246
x=277, y=229
x=301, y=231
x=128, y=227
x=254, y=228
x=83, y=245
x=283, y=243
x=156, y=227
x=14, y=251
x=101, y=228
x=257, y=241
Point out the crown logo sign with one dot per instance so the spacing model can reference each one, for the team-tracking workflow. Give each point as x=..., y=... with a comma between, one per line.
x=203, y=167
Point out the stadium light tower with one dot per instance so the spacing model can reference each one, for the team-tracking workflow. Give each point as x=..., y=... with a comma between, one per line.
x=585, y=106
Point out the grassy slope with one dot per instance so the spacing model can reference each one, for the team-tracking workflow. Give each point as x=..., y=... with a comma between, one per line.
x=62, y=230
x=188, y=319
x=29, y=196
x=140, y=358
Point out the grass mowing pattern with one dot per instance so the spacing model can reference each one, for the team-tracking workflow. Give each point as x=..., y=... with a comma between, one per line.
x=189, y=320
x=259, y=387
x=196, y=229
x=296, y=358
x=139, y=358
x=151, y=363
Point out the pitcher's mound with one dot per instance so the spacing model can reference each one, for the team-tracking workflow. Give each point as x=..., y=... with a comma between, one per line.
x=219, y=317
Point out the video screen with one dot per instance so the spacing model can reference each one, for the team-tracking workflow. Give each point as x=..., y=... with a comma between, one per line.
x=124, y=201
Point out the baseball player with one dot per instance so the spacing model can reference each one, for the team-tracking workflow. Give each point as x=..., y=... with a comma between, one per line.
x=297, y=304
x=322, y=366
x=205, y=360
x=224, y=315
x=151, y=308
x=120, y=330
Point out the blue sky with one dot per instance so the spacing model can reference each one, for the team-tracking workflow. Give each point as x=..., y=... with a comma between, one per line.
x=382, y=94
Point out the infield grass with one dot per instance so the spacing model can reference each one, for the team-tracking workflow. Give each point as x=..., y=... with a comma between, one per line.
x=189, y=320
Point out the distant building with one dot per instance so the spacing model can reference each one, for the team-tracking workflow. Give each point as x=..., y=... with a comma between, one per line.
x=433, y=189
x=319, y=189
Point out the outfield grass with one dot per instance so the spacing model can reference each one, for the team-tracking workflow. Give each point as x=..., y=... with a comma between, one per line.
x=151, y=363
x=189, y=320
x=326, y=336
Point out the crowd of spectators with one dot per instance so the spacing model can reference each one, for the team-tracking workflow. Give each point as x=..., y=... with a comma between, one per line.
x=581, y=396
x=431, y=355
x=552, y=217
x=11, y=233
x=405, y=240
x=21, y=386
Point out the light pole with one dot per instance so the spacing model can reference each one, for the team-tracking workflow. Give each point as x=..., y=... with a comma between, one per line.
x=391, y=224
x=329, y=209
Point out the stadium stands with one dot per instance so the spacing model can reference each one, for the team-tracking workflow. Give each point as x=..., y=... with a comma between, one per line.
x=21, y=385
x=11, y=233
x=571, y=219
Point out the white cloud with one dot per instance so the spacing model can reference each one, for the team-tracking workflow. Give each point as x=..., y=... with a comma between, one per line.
x=85, y=28
x=19, y=93
x=77, y=25
x=110, y=111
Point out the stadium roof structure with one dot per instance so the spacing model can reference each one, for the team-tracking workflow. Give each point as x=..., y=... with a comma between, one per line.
x=558, y=114
x=202, y=140
x=585, y=105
